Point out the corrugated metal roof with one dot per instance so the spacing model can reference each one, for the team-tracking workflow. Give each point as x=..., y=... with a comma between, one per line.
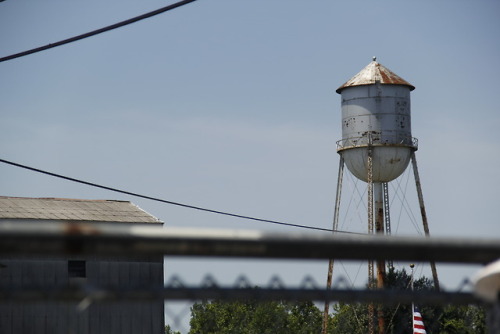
x=375, y=72
x=73, y=210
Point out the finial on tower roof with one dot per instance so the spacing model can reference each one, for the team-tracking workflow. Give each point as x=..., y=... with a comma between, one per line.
x=374, y=58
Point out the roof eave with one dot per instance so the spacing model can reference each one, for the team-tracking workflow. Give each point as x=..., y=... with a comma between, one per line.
x=341, y=88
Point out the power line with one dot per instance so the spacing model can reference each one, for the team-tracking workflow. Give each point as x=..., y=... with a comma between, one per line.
x=168, y=202
x=98, y=31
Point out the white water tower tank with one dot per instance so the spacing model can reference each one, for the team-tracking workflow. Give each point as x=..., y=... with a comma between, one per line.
x=376, y=115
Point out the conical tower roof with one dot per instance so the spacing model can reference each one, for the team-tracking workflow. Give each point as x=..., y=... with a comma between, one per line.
x=375, y=72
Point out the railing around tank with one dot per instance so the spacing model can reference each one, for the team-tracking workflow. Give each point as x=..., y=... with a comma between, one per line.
x=377, y=139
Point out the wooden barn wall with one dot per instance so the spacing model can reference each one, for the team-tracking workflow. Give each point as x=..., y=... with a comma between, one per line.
x=63, y=317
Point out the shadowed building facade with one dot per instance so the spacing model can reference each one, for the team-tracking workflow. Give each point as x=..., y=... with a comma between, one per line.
x=66, y=271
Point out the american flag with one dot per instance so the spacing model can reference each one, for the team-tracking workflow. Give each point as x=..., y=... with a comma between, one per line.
x=418, y=323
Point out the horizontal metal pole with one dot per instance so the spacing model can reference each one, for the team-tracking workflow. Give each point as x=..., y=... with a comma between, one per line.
x=57, y=238
x=90, y=294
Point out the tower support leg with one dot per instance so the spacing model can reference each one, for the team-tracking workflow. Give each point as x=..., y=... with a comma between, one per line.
x=424, y=216
x=335, y=227
x=371, y=278
x=379, y=229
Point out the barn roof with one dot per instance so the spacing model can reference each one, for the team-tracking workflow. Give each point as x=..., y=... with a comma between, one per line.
x=73, y=210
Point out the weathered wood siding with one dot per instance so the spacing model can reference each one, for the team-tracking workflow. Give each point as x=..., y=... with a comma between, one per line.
x=63, y=317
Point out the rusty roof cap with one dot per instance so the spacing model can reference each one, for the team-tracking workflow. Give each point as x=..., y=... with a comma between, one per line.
x=372, y=73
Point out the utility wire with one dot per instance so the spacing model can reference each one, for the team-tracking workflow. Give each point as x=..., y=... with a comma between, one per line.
x=105, y=29
x=99, y=31
x=169, y=202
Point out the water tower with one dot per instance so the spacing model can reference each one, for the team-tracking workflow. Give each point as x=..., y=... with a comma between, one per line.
x=377, y=146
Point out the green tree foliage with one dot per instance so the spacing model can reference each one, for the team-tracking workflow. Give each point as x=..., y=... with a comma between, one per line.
x=168, y=330
x=277, y=317
x=349, y=318
x=353, y=318
x=252, y=317
x=463, y=320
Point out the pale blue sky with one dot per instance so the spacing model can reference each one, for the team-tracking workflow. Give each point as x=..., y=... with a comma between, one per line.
x=231, y=105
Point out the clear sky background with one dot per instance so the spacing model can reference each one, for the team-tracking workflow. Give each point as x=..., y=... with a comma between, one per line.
x=231, y=105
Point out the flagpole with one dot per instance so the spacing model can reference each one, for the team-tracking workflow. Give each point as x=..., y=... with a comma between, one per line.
x=417, y=320
x=412, y=305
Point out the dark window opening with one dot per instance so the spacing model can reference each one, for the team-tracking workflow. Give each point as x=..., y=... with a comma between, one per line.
x=77, y=268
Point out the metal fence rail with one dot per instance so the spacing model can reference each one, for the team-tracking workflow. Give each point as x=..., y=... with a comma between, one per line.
x=91, y=295
x=24, y=239
x=139, y=240
x=57, y=238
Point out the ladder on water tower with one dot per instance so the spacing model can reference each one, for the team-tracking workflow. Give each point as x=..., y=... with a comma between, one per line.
x=387, y=216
